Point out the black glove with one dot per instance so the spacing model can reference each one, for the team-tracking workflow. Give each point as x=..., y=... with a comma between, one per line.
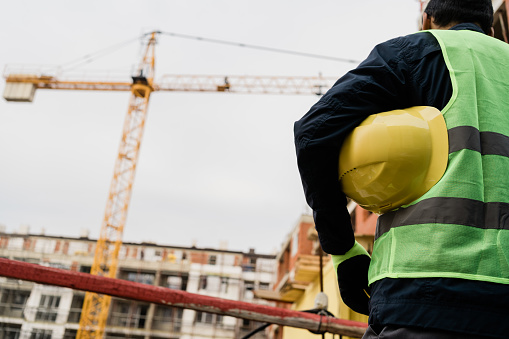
x=352, y=270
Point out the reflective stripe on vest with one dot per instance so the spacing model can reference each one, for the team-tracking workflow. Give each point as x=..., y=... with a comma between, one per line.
x=460, y=227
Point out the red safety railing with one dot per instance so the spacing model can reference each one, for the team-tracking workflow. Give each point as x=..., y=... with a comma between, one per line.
x=176, y=298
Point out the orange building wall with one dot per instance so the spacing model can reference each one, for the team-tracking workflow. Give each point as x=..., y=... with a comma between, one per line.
x=304, y=246
x=199, y=258
x=365, y=222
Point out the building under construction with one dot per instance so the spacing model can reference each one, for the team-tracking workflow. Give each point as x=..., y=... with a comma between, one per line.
x=290, y=279
x=35, y=311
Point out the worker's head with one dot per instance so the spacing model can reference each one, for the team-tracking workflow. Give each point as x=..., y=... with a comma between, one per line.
x=446, y=13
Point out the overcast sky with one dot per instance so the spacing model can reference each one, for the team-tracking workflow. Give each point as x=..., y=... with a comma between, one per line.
x=213, y=167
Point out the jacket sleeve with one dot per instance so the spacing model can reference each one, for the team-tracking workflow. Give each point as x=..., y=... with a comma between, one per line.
x=378, y=84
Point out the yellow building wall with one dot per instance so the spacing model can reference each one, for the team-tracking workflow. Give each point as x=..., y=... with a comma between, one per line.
x=336, y=305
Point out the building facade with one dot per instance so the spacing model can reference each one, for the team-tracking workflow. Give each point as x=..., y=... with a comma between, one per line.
x=34, y=311
x=305, y=273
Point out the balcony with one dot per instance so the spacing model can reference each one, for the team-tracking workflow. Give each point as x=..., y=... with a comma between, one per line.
x=293, y=284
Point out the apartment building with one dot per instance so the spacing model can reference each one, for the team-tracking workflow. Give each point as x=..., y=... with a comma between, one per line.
x=34, y=311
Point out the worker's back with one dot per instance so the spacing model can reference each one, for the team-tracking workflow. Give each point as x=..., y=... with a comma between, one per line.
x=459, y=228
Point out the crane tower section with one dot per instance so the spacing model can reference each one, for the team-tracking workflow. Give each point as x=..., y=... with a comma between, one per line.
x=95, y=307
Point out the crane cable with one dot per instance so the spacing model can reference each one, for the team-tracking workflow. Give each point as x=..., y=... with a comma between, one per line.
x=91, y=57
x=269, y=49
x=88, y=58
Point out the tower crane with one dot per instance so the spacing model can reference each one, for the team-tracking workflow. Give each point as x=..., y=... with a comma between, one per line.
x=21, y=85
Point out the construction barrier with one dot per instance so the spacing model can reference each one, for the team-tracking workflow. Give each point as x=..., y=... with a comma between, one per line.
x=177, y=298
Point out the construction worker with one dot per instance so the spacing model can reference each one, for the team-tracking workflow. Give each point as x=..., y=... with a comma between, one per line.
x=440, y=264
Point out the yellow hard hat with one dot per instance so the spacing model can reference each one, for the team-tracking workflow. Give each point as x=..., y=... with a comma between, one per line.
x=393, y=158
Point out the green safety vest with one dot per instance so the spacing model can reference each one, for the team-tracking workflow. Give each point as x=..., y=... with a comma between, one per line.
x=460, y=227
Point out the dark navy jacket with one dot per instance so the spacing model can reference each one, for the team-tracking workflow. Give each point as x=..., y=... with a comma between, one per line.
x=400, y=73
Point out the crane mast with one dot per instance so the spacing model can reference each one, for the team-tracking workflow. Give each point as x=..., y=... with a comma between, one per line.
x=95, y=307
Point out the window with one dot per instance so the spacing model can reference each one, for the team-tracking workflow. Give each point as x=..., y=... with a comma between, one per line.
x=10, y=331
x=264, y=286
x=59, y=265
x=174, y=282
x=122, y=336
x=245, y=323
x=248, y=268
x=212, y=259
x=208, y=318
x=249, y=264
x=249, y=285
x=266, y=265
x=165, y=313
x=127, y=314
x=12, y=302
x=213, y=283
x=224, y=284
x=40, y=334
x=219, y=319
x=76, y=306
x=168, y=319
x=248, y=289
x=85, y=269
x=144, y=278
x=203, y=282
x=204, y=317
x=48, y=309
x=70, y=334
x=19, y=297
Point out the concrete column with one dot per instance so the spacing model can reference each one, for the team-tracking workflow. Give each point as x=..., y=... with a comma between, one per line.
x=152, y=307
